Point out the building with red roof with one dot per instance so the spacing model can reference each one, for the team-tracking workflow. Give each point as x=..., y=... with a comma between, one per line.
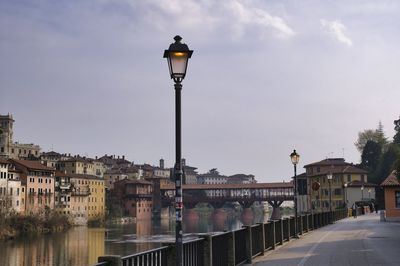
x=391, y=186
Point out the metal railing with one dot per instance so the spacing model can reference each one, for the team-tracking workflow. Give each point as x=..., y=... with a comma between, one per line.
x=154, y=257
x=228, y=248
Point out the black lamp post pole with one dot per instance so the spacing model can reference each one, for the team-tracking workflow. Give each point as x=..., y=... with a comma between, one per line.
x=178, y=176
x=178, y=55
x=330, y=200
x=295, y=202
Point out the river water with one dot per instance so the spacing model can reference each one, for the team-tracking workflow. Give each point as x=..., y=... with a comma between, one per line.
x=83, y=245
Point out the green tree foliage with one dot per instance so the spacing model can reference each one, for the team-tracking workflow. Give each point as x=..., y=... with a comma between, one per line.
x=396, y=138
x=387, y=163
x=397, y=168
x=376, y=135
x=370, y=156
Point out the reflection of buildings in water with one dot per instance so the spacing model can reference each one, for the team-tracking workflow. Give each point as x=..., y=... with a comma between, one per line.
x=28, y=252
x=247, y=216
x=144, y=227
x=190, y=221
x=95, y=244
x=218, y=219
x=167, y=224
x=78, y=246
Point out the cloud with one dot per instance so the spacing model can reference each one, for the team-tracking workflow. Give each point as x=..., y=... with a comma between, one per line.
x=234, y=18
x=248, y=17
x=337, y=29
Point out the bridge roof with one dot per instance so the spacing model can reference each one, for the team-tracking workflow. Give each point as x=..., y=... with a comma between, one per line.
x=231, y=186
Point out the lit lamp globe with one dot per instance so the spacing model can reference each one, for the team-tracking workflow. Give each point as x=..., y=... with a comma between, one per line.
x=295, y=157
x=178, y=56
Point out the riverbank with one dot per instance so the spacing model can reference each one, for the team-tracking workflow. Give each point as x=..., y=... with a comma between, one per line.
x=14, y=225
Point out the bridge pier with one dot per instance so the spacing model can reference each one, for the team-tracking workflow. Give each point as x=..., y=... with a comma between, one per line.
x=191, y=220
x=164, y=213
x=218, y=218
x=247, y=216
x=276, y=212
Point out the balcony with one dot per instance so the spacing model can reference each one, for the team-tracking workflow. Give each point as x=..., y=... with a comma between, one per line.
x=80, y=193
x=65, y=186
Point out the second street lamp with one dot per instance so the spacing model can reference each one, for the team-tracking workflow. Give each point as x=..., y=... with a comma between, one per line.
x=295, y=157
x=330, y=176
x=178, y=56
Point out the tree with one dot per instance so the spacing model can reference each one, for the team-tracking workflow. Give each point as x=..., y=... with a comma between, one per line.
x=370, y=156
x=396, y=138
x=376, y=135
x=387, y=163
x=397, y=168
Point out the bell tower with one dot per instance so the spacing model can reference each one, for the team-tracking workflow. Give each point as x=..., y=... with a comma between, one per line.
x=6, y=135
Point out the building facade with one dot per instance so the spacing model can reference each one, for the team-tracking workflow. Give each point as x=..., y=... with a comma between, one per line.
x=331, y=191
x=38, y=182
x=12, y=193
x=11, y=149
x=134, y=197
x=391, y=186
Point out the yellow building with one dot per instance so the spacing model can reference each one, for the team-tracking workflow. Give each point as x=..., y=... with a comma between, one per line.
x=320, y=187
x=80, y=196
x=81, y=165
x=92, y=187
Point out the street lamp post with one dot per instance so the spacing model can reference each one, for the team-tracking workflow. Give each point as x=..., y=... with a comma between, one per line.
x=330, y=176
x=345, y=194
x=178, y=56
x=295, y=157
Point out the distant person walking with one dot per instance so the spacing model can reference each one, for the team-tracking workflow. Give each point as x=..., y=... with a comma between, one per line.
x=354, y=210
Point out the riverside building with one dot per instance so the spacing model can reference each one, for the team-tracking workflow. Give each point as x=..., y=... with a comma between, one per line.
x=11, y=149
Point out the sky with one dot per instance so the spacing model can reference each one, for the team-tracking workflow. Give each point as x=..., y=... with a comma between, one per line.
x=266, y=77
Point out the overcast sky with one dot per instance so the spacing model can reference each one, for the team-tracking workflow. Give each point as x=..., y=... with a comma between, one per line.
x=266, y=77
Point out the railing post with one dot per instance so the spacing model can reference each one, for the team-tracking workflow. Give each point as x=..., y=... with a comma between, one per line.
x=171, y=254
x=300, y=224
x=248, y=244
x=207, y=252
x=273, y=233
x=287, y=228
x=262, y=238
x=113, y=260
x=281, y=237
x=320, y=219
x=231, y=249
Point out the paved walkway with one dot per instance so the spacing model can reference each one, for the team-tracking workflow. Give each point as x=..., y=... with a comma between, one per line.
x=361, y=241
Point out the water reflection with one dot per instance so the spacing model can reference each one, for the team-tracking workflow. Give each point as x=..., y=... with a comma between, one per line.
x=82, y=245
x=78, y=246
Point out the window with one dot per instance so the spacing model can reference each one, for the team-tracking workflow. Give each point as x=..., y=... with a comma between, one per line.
x=362, y=178
x=348, y=178
x=397, y=199
x=338, y=191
